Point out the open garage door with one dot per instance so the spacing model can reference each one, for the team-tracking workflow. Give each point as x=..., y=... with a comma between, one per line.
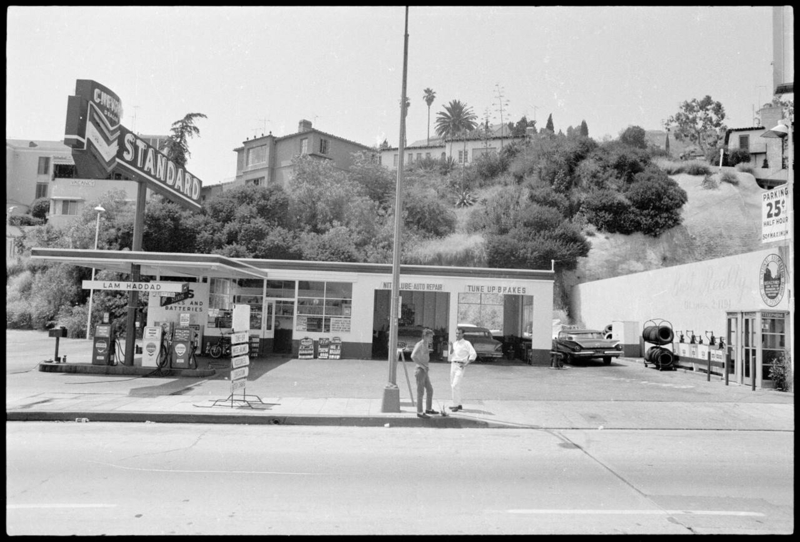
x=418, y=311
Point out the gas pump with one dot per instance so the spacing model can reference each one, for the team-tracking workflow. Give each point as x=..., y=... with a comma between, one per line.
x=103, y=347
x=184, y=344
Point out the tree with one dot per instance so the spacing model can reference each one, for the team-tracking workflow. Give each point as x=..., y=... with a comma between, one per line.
x=699, y=122
x=429, y=96
x=177, y=144
x=584, y=129
x=456, y=119
x=634, y=136
x=549, y=125
x=519, y=128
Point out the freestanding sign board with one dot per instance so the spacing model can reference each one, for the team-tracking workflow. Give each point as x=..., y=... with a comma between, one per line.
x=775, y=214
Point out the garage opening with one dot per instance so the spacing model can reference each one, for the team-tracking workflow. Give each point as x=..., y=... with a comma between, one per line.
x=508, y=316
x=418, y=310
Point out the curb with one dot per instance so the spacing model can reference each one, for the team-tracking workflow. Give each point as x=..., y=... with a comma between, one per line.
x=235, y=419
x=123, y=370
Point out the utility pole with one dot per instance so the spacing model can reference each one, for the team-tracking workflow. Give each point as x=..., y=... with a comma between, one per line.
x=501, y=102
x=391, y=393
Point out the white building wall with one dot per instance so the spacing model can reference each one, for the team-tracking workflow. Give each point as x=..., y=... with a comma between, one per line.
x=693, y=296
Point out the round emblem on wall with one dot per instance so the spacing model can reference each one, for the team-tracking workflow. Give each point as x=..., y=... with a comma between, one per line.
x=772, y=280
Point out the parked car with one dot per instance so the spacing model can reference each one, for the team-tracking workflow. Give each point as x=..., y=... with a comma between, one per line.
x=586, y=344
x=407, y=337
x=485, y=345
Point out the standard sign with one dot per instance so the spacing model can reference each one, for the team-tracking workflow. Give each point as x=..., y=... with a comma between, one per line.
x=238, y=338
x=775, y=214
x=134, y=286
x=241, y=372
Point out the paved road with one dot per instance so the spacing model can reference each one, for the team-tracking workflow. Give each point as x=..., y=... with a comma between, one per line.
x=146, y=479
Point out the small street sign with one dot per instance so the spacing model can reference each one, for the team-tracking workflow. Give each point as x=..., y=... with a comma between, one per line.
x=240, y=361
x=240, y=373
x=238, y=384
x=240, y=349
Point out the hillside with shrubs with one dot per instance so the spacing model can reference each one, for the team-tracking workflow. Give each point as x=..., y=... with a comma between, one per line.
x=594, y=210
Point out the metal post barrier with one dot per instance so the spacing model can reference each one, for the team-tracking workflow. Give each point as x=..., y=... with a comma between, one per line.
x=752, y=373
x=725, y=366
x=708, y=378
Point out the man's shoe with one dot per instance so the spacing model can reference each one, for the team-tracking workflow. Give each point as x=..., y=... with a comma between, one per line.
x=422, y=415
x=431, y=412
x=456, y=408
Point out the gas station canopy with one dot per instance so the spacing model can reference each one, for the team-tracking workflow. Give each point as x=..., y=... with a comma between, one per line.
x=153, y=264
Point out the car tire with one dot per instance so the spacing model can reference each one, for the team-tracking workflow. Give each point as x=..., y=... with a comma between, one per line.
x=607, y=360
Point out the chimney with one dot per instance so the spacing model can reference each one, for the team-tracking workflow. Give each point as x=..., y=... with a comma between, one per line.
x=770, y=116
x=305, y=126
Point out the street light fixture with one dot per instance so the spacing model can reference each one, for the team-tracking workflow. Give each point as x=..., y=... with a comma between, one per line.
x=99, y=210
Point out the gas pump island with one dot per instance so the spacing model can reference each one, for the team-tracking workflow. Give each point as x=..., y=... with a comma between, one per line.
x=101, y=146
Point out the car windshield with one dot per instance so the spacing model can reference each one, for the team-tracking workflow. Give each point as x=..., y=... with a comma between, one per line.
x=585, y=335
x=469, y=335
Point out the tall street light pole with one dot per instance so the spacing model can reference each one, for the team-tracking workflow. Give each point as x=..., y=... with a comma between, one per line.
x=391, y=393
x=99, y=210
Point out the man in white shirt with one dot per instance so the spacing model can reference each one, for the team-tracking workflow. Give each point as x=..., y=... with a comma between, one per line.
x=462, y=354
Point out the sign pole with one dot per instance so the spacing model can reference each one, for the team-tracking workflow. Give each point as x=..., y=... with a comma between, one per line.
x=133, y=297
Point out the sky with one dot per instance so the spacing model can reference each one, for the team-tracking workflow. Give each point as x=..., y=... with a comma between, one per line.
x=255, y=70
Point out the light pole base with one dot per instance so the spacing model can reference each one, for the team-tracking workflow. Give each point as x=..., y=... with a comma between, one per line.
x=391, y=398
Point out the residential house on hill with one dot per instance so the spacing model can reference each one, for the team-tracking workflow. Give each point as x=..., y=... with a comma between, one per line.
x=461, y=150
x=767, y=154
x=267, y=160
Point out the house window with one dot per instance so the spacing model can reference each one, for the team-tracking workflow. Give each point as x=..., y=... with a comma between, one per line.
x=324, y=306
x=323, y=146
x=744, y=142
x=66, y=207
x=304, y=146
x=444, y=156
x=255, y=182
x=44, y=165
x=419, y=156
x=462, y=157
x=41, y=190
x=256, y=155
x=427, y=155
x=64, y=171
x=395, y=160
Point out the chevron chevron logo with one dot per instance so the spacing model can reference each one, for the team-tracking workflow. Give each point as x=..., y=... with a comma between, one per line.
x=101, y=138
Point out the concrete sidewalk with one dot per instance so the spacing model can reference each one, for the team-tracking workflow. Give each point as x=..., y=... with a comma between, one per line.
x=282, y=390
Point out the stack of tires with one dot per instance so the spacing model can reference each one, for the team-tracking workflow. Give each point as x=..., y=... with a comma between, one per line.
x=659, y=335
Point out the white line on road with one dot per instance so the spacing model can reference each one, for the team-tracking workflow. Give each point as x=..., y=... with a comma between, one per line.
x=68, y=505
x=640, y=512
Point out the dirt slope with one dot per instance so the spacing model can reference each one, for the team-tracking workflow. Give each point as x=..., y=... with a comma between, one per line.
x=716, y=222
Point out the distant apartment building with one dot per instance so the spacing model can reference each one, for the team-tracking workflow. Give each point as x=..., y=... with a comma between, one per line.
x=45, y=169
x=267, y=160
x=463, y=151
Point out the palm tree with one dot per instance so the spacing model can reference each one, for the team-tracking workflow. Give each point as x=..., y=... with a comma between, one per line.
x=177, y=145
x=430, y=95
x=457, y=118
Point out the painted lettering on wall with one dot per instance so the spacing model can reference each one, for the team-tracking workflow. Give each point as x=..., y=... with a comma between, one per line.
x=416, y=286
x=510, y=290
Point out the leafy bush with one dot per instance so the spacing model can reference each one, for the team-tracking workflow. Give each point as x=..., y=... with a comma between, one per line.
x=490, y=165
x=745, y=168
x=712, y=157
x=738, y=156
x=634, y=136
x=74, y=319
x=729, y=177
x=547, y=197
x=609, y=211
x=25, y=220
x=696, y=167
x=429, y=215
x=40, y=208
x=781, y=372
x=657, y=201
x=670, y=167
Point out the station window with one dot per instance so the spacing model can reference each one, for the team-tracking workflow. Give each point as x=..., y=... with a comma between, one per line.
x=324, y=307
